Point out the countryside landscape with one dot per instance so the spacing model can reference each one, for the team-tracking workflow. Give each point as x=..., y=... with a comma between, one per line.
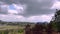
x=52, y=27
x=29, y=16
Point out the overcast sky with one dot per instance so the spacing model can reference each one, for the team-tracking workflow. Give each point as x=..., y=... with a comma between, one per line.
x=28, y=10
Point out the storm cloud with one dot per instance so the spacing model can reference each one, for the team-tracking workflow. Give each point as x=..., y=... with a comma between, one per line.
x=34, y=6
x=27, y=8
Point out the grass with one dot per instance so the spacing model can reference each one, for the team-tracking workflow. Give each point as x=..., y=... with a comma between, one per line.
x=20, y=29
x=9, y=27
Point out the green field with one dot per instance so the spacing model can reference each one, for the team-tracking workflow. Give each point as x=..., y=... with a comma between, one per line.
x=11, y=29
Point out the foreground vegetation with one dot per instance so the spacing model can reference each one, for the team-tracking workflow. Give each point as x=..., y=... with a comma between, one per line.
x=13, y=29
x=5, y=29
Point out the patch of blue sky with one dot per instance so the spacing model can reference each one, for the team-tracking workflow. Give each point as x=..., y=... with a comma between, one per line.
x=11, y=7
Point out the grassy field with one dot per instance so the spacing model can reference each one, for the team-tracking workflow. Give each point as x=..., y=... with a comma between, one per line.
x=12, y=29
x=4, y=29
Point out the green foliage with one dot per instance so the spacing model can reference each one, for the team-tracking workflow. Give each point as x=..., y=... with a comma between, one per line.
x=56, y=22
x=58, y=26
x=5, y=32
x=0, y=32
x=54, y=25
x=20, y=31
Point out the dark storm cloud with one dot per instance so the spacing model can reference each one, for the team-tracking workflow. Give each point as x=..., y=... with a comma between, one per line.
x=34, y=7
x=40, y=12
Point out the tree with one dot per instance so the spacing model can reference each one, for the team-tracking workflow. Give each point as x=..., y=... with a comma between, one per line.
x=56, y=21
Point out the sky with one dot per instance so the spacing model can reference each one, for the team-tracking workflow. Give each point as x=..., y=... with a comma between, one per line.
x=28, y=10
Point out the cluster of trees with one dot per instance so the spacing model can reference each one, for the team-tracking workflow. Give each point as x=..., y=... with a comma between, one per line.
x=14, y=23
x=56, y=21
x=54, y=25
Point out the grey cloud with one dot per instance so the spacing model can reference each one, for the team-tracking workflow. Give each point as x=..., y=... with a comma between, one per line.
x=40, y=12
x=33, y=6
x=3, y=11
x=58, y=0
x=7, y=1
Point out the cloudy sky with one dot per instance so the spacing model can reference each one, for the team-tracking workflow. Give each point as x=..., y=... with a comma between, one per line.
x=28, y=10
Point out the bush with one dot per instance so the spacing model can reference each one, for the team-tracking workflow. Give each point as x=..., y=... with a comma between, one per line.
x=20, y=31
